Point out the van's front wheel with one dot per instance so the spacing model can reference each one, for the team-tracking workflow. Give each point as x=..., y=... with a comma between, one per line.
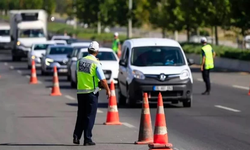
x=188, y=102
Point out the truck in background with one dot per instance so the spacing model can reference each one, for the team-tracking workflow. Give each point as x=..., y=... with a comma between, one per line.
x=26, y=27
x=4, y=36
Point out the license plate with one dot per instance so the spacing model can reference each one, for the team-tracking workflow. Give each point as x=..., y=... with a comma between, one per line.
x=163, y=88
x=63, y=70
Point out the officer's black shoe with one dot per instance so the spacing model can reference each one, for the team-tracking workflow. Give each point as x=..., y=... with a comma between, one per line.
x=205, y=93
x=76, y=140
x=89, y=144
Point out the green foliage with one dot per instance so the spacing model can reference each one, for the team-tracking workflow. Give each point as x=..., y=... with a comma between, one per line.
x=49, y=6
x=221, y=51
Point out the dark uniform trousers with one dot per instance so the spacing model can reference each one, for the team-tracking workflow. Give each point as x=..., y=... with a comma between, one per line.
x=206, y=78
x=86, y=114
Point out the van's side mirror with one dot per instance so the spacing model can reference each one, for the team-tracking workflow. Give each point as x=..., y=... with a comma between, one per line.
x=43, y=55
x=122, y=63
x=74, y=59
x=190, y=61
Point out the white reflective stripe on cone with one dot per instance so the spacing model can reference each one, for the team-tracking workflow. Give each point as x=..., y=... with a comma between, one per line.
x=33, y=75
x=55, y=74
x=146, y=111
x=56, y=84
x=113, y=109
x=160, y=110
x=160, y=130
x=112, y=92
x=33, y=67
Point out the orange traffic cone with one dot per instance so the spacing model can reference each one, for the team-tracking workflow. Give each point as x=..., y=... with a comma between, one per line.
x=112, y=114
x=249, y=91
x=56, y=88
x=160, y=132
x=145, y=132
x=33, y=77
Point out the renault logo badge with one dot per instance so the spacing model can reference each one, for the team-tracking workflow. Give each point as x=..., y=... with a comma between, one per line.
x=162, y=77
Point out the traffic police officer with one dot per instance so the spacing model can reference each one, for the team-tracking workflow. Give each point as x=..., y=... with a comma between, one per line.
x=207, y=63
x=89, y=73
x=116, y=46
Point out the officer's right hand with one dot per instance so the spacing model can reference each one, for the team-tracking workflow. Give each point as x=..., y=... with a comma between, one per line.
x=108, y=93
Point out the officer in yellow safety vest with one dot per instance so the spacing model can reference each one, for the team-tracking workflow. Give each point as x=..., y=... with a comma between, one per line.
x=207, y=63
x=116, y=46
x=89, y=74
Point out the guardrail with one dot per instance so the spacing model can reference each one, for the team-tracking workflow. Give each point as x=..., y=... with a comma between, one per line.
x=225, y=63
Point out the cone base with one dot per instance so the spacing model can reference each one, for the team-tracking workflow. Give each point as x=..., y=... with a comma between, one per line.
x=35, y=82
x=112, y=123
x=248, y=93
x=160, y=146
x=55, y=94
x=144, y=142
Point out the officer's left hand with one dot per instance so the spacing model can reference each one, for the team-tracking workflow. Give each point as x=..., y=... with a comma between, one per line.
x=201, y=68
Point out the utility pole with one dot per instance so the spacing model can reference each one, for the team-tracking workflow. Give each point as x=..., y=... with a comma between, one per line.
x=129, y=30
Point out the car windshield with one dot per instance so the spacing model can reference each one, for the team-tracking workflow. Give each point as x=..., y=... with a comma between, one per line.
x=77, y=49
x=70, y=41
x=157, y=56
x=30, y=33
x=102, y=56
x=57, y=43
x=42, y=46
x=4, y=32
x=60, y=50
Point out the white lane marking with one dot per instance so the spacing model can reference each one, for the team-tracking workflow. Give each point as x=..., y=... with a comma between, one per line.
x=19, y=71
x=27, y=76
x=241, y=87
x=128, y=125
x=5, y=63
x=99, y=111
x=69, y=97
x=227, y=108
x=11, y=67
x=199, y=79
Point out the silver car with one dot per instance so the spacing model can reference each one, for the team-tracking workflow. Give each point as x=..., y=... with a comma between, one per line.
x=56, y=56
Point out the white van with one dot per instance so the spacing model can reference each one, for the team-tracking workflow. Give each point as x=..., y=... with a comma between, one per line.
x=154, y=65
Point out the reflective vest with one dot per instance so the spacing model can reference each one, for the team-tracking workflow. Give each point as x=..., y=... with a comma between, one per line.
x=115, y=45
x=209, y=62
x=87, y=80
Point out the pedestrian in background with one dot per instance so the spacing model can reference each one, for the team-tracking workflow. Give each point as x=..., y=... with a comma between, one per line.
x=116, y=45
x=89, y=73
x=207, y=63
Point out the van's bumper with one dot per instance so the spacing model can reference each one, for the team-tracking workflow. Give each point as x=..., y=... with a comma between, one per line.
x=181, y=90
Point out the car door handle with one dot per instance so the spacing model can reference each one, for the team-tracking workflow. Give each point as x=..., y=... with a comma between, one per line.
x=121, y=72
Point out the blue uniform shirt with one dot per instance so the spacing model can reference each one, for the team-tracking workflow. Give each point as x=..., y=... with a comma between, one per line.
x=99, y=70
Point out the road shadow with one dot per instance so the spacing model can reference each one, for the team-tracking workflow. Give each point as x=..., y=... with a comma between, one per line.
x=138, y=106
x=60, y=80
x=61, y=86
x=35, y=145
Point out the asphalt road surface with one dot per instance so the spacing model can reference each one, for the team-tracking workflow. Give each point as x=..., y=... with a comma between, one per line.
x=30, y=119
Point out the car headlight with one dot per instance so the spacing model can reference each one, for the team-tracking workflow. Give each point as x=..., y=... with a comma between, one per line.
x=48, y=61
x=34, y=57
x=184, y=75
x=18, y=43
x=138, y=74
